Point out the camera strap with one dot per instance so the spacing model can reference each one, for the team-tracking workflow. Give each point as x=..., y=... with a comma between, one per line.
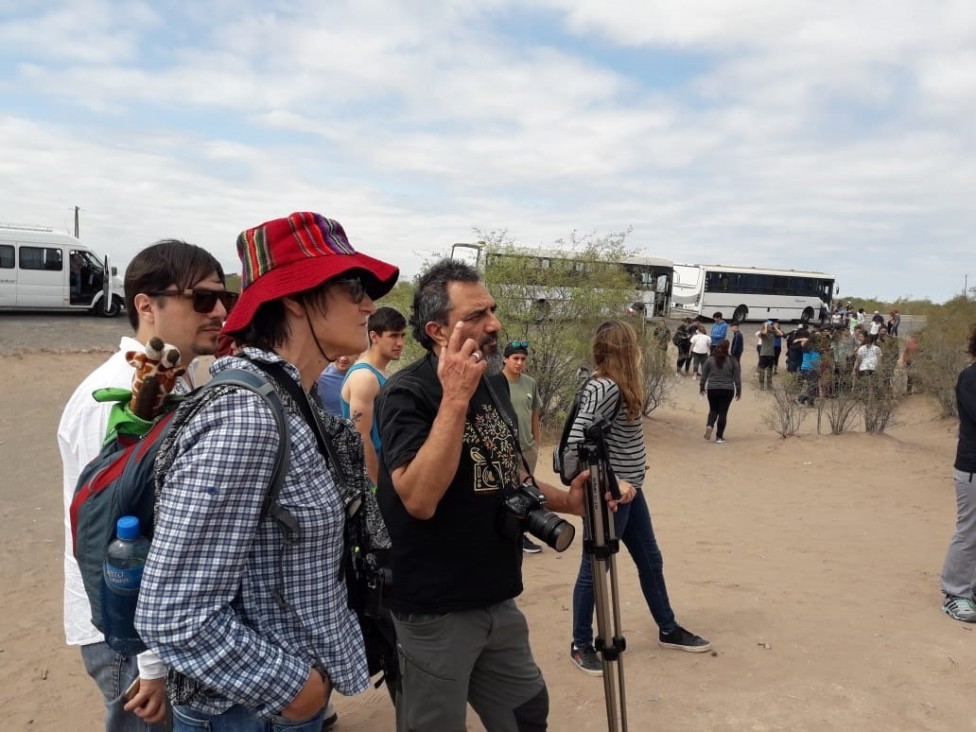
x=507, y=418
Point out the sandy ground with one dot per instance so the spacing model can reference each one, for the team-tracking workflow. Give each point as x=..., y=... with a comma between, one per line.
x=811, y=563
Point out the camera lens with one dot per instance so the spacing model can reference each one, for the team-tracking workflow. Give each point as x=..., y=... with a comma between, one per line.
x=550, y=528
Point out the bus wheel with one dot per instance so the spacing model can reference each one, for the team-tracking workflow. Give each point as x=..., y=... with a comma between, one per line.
x=110, y=310
x=807, y=315
x=740, y=314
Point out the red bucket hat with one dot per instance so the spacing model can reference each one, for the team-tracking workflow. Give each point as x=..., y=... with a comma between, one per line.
x=287, y=256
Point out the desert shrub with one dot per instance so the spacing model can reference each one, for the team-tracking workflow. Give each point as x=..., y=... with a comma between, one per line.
x=659, y=372
x=784, y=415
x=941, y=355
x=841, y=406
x=556, y=307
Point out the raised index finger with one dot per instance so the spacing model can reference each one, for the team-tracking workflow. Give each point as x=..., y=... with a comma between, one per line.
x=454, y=342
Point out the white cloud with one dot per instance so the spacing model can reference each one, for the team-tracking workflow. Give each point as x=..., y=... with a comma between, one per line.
x=797, y=134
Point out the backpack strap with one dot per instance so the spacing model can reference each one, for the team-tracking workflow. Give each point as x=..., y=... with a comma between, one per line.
x=271, y=508
x=278, y=374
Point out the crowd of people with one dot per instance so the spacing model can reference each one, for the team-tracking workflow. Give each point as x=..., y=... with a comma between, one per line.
x=254, y=635
x=247, y=633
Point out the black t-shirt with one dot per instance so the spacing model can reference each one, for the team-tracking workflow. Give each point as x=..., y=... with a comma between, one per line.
x=966, y=401
x=468, y=554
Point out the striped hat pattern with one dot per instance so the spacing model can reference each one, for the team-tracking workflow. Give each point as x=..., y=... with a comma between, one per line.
x=297, y=253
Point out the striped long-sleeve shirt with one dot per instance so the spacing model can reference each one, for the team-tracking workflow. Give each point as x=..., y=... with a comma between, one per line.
x=625, y=440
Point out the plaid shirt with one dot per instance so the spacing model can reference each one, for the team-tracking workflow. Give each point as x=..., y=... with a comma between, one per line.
x=206, y=604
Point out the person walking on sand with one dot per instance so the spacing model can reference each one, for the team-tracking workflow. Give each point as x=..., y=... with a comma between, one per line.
x=701, y=344
x=959, y=569
x=721, y=380
x=616, y=393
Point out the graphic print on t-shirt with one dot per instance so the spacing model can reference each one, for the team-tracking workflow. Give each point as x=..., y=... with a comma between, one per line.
x=488, y=432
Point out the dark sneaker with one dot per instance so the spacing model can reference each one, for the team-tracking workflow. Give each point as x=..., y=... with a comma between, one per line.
x=586, y=660
x=529, y=546
x=683, y=640
x=960, y=608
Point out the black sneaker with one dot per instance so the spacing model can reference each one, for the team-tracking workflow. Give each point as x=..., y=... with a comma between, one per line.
x=586, y=660
x=529, y=546
x=683, y=640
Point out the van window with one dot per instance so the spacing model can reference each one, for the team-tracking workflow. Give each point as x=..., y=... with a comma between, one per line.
x=40, y=258
x=6, y=256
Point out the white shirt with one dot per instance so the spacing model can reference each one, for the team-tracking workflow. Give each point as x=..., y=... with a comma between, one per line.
x=870, y=355
x=700, y=343
x=80, y=436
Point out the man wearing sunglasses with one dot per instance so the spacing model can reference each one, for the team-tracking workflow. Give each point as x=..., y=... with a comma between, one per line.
x=528, y=410
x=174, y=291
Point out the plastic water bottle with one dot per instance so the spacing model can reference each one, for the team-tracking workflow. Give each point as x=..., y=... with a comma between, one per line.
x=124, y=561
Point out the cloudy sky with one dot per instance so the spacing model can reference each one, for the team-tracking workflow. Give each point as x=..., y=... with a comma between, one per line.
x=835, y=135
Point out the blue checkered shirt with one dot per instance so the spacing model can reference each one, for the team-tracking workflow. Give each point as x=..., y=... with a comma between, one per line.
x=205, y=604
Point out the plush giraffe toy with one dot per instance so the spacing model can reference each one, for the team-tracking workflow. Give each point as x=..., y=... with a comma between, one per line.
x=156, y=372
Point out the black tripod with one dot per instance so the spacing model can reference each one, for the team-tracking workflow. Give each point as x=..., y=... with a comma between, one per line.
x=602, y=545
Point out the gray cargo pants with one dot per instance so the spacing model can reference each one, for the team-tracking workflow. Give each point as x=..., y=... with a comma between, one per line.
x=478, y=656
x=959, y=570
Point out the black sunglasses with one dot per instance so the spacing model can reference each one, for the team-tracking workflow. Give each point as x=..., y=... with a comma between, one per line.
x=204, y=300
x=354, y=286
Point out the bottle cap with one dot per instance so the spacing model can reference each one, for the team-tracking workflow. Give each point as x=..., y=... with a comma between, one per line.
x=127, y=527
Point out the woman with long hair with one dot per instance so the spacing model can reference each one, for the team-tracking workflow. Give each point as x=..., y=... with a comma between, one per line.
x=616, y=393
x=721, y=380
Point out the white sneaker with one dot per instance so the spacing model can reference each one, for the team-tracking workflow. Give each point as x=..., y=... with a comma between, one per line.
x=720, y=441
x=960, y=608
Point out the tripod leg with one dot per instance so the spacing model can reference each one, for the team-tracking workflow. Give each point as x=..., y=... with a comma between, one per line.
x=609, y=639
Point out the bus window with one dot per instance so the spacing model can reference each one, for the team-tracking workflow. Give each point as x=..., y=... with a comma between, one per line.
x=6, y=256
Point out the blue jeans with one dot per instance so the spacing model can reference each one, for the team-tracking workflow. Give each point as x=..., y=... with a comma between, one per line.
x=113, y=673
x=632, y=525
x=241, y=719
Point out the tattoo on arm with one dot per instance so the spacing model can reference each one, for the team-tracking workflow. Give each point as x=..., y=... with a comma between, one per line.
x=355, y=417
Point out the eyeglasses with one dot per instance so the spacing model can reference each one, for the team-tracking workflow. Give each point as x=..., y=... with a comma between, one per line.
x=354, y=286
x=204, y=300
x=519, y=344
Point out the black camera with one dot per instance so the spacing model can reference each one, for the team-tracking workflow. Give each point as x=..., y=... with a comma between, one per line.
x=528, y=503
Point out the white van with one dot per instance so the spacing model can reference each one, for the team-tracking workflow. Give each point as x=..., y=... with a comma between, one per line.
x=41, y=269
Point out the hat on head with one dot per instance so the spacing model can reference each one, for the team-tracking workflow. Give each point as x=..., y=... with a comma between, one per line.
x=287, y=256
x=516, y=347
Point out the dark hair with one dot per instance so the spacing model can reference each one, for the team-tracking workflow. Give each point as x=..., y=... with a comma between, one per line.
x=384, y=319
x=721, y=353
x=268, y=328
x=430, y=300
x=716, y=315
x=971, y=346
x=167, y=262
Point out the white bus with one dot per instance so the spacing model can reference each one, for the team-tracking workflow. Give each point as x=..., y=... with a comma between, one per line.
x=41, y=269
x=652, y=276
x=751, y=293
